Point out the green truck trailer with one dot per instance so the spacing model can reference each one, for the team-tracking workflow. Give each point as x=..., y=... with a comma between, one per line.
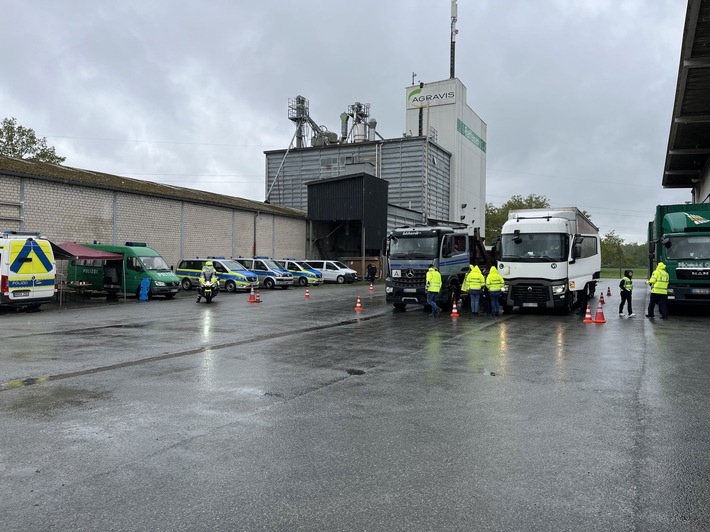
x=679, y=236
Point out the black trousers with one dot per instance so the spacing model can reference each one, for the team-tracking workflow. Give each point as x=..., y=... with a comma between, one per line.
x=662, y=301
x=625, y=298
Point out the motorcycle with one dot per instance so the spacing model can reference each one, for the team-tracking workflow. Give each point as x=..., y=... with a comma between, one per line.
x=208, y=288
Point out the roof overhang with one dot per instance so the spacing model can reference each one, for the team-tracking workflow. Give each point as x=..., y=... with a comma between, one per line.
x=689, y=142
x=72, y=250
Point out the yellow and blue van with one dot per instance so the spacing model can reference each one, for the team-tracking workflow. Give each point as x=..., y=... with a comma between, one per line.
x=114, y=276
x=302, y=274
x=232, y=275
x=27, y=269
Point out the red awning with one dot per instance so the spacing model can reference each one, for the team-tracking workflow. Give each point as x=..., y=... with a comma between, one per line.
x=72, y=250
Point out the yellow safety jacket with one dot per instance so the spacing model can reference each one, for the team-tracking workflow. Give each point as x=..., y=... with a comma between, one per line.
x=433, y=280
x=474, y=279
x=659, y=280
x=494, y=281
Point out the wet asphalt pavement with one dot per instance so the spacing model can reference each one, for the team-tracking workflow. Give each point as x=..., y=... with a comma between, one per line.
x=299, y=414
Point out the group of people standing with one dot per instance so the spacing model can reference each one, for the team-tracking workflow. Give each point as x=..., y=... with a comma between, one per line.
x=474, y=283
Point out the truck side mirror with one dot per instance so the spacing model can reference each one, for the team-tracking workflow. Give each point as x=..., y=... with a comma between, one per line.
x=666, y=242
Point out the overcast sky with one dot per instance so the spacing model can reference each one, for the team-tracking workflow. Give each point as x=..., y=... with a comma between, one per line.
x=577, y=94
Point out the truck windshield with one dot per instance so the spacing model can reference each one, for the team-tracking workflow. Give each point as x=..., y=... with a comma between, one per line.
x=414, y=247
x=155, y=263
x=534, y=247
x=689, y=247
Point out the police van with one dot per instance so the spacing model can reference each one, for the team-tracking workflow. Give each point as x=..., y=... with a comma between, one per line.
x=270, y=274
x=232, y=275
x=302, y=274
x=27, y=269
x=125, y=275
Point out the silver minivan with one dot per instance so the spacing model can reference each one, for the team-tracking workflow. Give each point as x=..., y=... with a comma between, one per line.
x=333, y=271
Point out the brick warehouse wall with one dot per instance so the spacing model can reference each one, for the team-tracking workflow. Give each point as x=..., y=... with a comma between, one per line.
x=83, y=214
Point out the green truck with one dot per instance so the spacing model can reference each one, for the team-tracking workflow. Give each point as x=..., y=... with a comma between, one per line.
x=679, y=236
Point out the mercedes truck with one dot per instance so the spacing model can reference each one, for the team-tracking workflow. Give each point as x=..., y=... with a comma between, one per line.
x=410, y=251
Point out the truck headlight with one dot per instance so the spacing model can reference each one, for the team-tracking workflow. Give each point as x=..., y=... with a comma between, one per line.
x=559, y=289
x=389, y=289
x=159, y=283
x=505, y=288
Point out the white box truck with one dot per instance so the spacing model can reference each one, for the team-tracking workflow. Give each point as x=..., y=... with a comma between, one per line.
x=548, y=258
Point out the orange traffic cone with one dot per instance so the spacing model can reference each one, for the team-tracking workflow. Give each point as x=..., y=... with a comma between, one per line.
x=372, y=288
x=258, y=297
x=608, y=291
x=358, y=305
x=588, y=315
x=454, y=311
x=308, y=295
x=251, y=299
x=599, y=317
x=601, y=299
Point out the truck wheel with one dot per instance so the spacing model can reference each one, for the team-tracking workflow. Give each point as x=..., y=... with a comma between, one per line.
x=186, y=284
x=230, y=286
x=269, y=283
x=569, y=302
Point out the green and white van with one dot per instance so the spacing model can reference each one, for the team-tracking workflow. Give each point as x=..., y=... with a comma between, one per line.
x=125, y=276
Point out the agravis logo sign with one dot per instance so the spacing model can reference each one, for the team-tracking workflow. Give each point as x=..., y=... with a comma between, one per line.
x=697, y=219
x=418, y=98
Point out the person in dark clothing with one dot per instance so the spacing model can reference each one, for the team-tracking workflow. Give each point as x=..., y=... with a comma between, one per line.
x=371, y=273
x=627, y=287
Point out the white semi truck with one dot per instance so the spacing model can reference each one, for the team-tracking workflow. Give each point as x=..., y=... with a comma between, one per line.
x=548, y=258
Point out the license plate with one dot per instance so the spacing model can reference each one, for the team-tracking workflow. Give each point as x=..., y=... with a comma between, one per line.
x=410, y=290
x=529, y=305
x=704, y=291
x=21, y=293
x=173, y=289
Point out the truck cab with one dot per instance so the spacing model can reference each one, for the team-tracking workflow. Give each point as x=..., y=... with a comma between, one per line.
x=545, y=261
x=679, y=236
x=410, y=251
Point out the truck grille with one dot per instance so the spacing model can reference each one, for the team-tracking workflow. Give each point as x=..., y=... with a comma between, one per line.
x=530, y=293
x=410, y=279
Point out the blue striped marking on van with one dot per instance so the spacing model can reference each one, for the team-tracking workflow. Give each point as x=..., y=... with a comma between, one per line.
x=31, y=247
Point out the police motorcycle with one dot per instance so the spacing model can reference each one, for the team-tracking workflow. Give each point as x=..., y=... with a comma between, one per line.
x=208, y=288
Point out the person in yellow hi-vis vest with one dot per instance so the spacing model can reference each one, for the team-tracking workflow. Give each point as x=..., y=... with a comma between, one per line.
x=659, y=291
x=494, y=283
x=474, y=283
x=433, y=287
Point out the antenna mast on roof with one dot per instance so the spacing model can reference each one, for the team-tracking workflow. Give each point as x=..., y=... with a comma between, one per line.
x=454, y=31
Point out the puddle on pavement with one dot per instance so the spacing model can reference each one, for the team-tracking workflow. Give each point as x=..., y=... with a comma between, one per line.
x=47, y=402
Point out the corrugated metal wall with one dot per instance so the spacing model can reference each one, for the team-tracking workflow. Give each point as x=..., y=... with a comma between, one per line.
x=411, y=165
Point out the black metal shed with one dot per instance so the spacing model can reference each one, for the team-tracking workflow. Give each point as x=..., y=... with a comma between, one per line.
x=355, y=206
